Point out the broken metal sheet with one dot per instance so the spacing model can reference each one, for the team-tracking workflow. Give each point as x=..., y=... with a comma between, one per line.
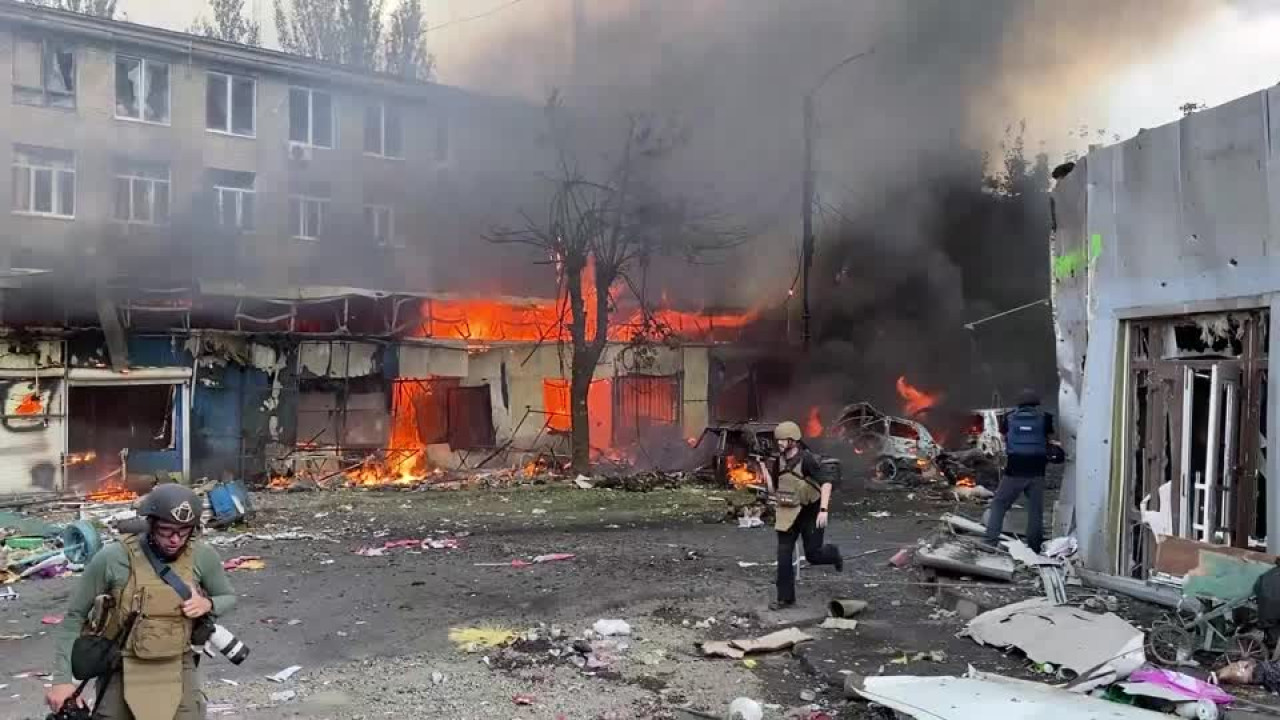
x=773, y=642
x=338, y=359
x=966, y=559
x=982, y=695
x=1105, y=646
x=963, y=524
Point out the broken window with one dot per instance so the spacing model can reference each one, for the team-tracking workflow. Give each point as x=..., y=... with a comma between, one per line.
x=142, y=89
x=383, y=130
x=142, y=193
x=306, y=216
x=230, y=104
x=380, y=224
x=44, y=181
x=44, y=73
x=233, y=194
x=311, y=117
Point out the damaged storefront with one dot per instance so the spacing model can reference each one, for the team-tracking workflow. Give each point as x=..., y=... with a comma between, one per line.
x=322, y=389
x=1165, y=295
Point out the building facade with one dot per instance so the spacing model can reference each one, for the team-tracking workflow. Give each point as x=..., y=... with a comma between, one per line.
x=1165, y=290
x=222, y=260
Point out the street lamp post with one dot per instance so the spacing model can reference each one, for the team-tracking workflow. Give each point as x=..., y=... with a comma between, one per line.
x=807, y=241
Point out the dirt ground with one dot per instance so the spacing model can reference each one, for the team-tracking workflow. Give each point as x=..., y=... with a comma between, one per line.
x=372, y=633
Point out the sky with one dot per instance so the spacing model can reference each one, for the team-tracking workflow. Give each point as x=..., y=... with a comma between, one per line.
x=1228, y=54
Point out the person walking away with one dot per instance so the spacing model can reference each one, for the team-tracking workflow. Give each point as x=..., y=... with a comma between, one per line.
x=1028, y=435
x=803, y=495
x=157, y=678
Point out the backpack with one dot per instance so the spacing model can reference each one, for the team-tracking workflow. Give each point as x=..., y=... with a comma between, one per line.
x=1027, y=435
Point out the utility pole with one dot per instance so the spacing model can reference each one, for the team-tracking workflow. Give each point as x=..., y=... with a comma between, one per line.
x=807, y=240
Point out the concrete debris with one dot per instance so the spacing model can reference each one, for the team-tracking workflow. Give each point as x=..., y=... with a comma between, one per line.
x=583, y=482
x=832, y=623
x=965, y=558
x=983, y=695
x=283, y=696
x=1105, y=647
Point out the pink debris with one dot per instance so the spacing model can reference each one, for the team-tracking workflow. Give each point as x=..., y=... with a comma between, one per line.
x=52, y=620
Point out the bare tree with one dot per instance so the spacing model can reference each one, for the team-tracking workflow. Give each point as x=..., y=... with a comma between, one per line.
x=406, y=53
x=347, y=32
x=230, y=23
x=98, y=8
x=602, y=231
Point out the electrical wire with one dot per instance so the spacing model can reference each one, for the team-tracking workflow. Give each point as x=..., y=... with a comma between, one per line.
x=482, y=15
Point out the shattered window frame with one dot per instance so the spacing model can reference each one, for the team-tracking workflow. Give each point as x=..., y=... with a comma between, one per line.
x=380, y=224
x=58, y=167
x=50, y=71
x=385, y=117
x=307, y=136
x=142, y=195
x=307, y=210
x=139, y=107
x=229, y=104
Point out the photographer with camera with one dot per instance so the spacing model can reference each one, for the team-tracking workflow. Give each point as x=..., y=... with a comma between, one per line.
x=170, y=586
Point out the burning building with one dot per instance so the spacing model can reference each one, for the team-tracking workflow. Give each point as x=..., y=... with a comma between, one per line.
x=228, y=260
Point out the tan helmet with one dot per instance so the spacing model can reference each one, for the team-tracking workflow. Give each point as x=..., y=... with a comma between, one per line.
x=787, y=431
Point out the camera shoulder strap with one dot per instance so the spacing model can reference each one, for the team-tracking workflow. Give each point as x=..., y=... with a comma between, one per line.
x=165, y=572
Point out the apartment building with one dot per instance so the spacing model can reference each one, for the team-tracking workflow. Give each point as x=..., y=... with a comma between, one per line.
x=223, y=260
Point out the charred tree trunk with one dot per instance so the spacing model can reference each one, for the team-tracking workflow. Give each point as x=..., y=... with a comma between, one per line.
x=588, y=347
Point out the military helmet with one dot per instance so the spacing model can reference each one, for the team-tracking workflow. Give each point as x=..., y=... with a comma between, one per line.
x=172, y=503
x=787, y=431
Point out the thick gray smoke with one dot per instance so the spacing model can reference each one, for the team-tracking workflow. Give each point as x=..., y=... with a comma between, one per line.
x=910, y=248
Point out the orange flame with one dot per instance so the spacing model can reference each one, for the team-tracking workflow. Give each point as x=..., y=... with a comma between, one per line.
x=113, y=490
x=813, y=427
x=83, y=458
x=915, y=400
x=30, y=405
x=740, y=474
x=966, y=482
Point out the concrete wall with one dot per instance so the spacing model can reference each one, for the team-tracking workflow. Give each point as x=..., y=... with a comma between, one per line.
x=1184, y=218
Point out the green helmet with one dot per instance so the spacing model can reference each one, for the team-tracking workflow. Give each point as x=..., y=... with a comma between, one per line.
x=787, y=431
x=172, y=503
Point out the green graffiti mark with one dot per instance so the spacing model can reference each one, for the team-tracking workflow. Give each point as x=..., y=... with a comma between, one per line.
x=1067, y=265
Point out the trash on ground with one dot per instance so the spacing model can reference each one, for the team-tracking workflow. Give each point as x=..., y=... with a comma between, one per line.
x=237, y=538
x=51, y=620
x=523, y=700
x=846, y=607
x=880, y=514
x=833, y=623
x=744, y=564
x=747, y=522
x=283, y=696
x=244, y=562
x=1105, y=647
x=552, y=557
x=1173, y=686
x=978, y=695
x=474, y=639
x=611, y=628
x=737, y=649
x=583, y=482
x=745, y=709
x=903, y=557
x=285, y=674
x=9, y=594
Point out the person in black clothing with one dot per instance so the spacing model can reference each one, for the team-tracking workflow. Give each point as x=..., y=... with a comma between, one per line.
x=1028, y=433
x=803, y=492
